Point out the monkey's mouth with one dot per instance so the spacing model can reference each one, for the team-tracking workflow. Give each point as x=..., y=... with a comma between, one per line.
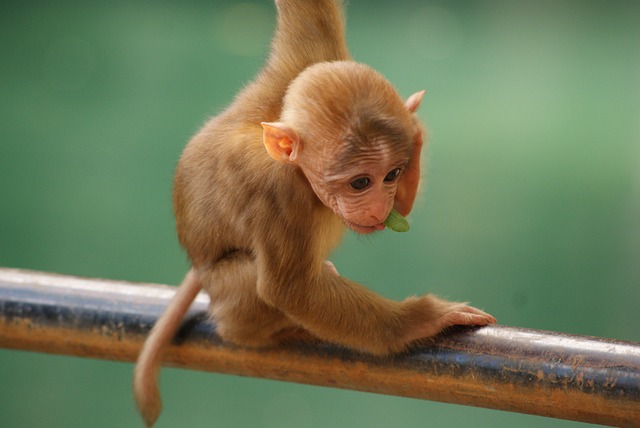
x=363, y=230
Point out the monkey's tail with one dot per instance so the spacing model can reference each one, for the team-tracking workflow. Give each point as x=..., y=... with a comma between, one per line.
x=145, y=378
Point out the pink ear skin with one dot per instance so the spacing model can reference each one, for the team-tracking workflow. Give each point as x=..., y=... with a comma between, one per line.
x=281, y=141
x=413, y=102
x=410, y=180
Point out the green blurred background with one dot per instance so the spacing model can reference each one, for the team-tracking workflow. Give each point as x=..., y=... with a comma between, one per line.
x=532, y=208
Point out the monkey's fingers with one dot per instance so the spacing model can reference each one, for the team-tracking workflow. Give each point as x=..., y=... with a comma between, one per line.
x=468, y=315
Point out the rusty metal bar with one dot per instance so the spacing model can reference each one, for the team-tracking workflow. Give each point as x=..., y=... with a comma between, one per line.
x=538, y=372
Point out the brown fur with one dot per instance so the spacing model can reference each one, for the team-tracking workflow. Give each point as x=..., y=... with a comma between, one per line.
x=258, y=230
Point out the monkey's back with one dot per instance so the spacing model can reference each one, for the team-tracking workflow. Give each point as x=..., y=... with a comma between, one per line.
x=225, y=182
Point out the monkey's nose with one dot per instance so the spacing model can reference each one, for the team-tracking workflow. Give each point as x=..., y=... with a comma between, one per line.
x=377, y=217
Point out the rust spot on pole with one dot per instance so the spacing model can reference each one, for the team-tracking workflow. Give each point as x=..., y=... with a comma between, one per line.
x=538, y=372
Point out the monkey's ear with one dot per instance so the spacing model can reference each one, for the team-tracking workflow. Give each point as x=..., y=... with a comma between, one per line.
x=413, y=102
x=281, y=141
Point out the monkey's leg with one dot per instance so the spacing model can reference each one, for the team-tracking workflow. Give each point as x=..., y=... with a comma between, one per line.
x=241, y=316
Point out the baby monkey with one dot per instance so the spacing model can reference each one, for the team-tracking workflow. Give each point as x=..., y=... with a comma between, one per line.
x=264, y=191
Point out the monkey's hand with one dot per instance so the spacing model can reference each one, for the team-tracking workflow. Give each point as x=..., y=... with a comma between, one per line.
x=410, y=178
x=439, y=314
x=331, y=267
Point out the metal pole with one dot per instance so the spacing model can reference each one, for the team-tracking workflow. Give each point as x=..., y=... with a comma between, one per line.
x=538, y=372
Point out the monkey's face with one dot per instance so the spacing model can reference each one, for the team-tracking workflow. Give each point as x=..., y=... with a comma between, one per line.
x=359, y=190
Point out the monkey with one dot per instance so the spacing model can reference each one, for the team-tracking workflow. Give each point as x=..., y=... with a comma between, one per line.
x=315, y=145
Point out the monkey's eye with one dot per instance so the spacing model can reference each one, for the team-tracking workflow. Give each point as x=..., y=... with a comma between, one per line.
x=360, y=183
x=391, y=177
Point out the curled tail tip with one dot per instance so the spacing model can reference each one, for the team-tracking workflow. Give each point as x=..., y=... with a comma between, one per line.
x=151, y=418
x=147, y=397
x=149, y=408
x=145, y=376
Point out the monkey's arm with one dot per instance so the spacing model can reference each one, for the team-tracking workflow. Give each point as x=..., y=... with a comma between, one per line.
x=410, y=179
x=341, y=311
